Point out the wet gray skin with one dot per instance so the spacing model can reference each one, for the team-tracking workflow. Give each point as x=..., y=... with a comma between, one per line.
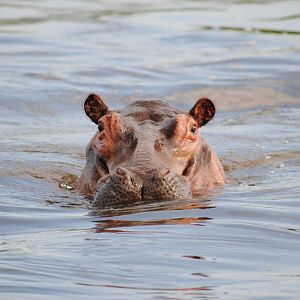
x=148, y=151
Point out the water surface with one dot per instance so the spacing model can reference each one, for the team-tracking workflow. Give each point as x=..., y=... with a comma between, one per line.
x=239, y=242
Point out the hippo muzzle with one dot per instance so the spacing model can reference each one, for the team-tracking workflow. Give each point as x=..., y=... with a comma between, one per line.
x=125, y=187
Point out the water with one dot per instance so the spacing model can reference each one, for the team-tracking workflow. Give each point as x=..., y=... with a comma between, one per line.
x=240, y=242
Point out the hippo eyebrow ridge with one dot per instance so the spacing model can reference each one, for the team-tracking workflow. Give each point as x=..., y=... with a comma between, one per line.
x=141, y=116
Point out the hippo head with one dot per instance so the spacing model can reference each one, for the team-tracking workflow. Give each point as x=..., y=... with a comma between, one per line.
x=148, y=150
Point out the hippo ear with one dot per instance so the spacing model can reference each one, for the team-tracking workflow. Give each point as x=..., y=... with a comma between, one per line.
x=203, y=111
x=94, y=107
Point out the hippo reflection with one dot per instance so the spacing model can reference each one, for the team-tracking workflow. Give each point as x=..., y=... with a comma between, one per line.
x=148, y=150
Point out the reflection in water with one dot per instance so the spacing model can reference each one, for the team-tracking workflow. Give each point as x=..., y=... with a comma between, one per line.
x=113, y=225
x=107, y=225
x=203, y=202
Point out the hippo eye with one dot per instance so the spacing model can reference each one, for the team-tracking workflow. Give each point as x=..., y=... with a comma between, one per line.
x=193, y=128
x=100, y=126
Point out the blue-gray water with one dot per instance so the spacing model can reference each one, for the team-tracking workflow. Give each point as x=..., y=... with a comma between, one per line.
x=240, y=242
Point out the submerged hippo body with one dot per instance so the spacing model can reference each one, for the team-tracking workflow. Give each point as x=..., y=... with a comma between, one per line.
x=147, y=151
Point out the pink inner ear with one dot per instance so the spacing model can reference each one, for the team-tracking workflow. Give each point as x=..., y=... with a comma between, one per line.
x=203, y=111
x=94, y=107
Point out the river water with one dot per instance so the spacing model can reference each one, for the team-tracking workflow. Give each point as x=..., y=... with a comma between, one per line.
x=239, y=242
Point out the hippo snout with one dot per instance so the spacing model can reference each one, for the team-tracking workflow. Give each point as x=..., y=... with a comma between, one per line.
x=165, y=184
x=124, y=187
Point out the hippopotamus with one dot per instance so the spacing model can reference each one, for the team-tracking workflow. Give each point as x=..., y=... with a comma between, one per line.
x=147, y=151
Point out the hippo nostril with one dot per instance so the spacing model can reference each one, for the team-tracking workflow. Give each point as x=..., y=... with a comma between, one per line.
x=163, y=173
x=121, y=171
